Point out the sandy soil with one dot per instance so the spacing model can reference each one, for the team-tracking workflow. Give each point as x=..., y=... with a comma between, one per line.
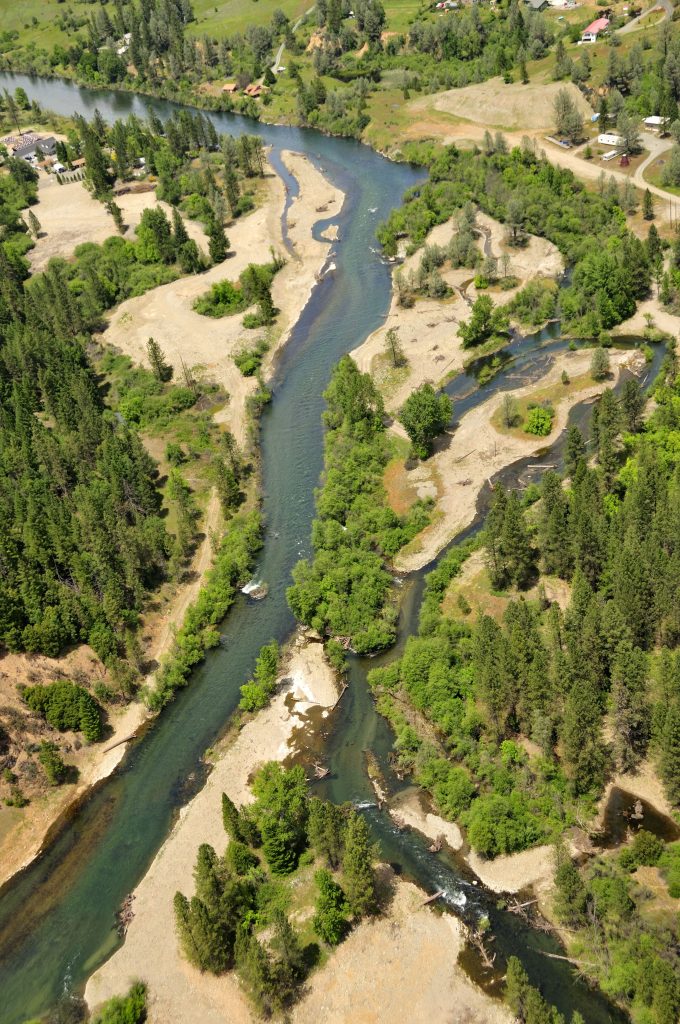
x=428, y=331
x=644, y=783
x=166, y=313
x=69, y=216
x=22, y=832
x=516, y=871
x=398, y=968
x=410, y=809
x=475, y=451
x=177, y=991
x=515, y=107
x=664, y=320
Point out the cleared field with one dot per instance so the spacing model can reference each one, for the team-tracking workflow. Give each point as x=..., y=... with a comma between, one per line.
x=514, y=107
x=223, y=19
x=18, y=17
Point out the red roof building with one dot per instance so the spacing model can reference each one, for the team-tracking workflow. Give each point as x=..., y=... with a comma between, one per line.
x=591, y=33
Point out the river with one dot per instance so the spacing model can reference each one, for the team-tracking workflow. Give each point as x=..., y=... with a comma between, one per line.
x=57, y=918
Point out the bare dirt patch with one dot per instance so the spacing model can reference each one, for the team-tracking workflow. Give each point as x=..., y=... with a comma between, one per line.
x=514, y=107
x=69, y=216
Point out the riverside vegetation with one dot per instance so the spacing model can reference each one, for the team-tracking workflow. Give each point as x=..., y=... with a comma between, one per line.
x=287, y=852
x=337, y=57
x=86, y=540
x=344, y=590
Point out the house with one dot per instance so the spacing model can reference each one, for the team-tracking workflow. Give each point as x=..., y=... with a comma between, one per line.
x=594, y=29
x=230, y=87
x=656, y=123
x=29, y=146
x=607, y=139
x=254, y=90
x=537, y=5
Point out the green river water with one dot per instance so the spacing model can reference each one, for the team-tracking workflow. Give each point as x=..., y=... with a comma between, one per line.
x=57, y=918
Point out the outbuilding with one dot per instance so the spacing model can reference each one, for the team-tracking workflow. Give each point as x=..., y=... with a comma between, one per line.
x=606, y=139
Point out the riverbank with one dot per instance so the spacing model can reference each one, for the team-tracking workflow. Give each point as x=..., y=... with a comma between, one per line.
x=177, y=991
x=428, y=330
x=24, y=832
x=209, y=345
x=475, y=451
x=408, y=951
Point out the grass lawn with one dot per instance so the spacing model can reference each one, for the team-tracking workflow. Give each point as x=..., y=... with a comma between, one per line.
x=18, y=17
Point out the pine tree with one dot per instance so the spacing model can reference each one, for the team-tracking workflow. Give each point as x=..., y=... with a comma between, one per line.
x=648, y=205
x=218, y=243
x=179, y=230
x=254, y=969
x=517, y=550
x=208, y=887
x=574, y=450
x=357, y=867
x=630, y=708
x=669, y=763
x=34, y=224
x=288, y=968
x=584, y=752
x=162, y=371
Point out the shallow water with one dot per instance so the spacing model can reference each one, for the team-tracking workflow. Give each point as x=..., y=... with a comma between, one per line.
x=57, y=919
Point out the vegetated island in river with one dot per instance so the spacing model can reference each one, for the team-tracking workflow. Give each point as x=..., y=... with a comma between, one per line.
x=116, y=246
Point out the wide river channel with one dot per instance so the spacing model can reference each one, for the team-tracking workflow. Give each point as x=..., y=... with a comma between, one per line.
x=57, y=917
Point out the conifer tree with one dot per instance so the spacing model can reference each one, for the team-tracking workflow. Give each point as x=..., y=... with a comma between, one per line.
x=34, y=224
x=574, y=450
x=648, y=205
x=517, y=550
x=669, y=763
x=179, y=230
x=218, y=243
x=162, y=371
x=357, y=866
x=629, y=705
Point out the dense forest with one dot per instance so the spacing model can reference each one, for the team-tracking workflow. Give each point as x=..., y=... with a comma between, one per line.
x=283, y=845
x=85, y=538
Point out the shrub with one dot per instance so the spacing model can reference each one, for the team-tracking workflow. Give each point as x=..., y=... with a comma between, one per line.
x=52, y=763
x=646, y=849
x=538, y=422
x=64, y=705
x=129, y=1009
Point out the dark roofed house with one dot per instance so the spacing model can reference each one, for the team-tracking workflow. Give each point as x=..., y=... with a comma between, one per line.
x=28, y=147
